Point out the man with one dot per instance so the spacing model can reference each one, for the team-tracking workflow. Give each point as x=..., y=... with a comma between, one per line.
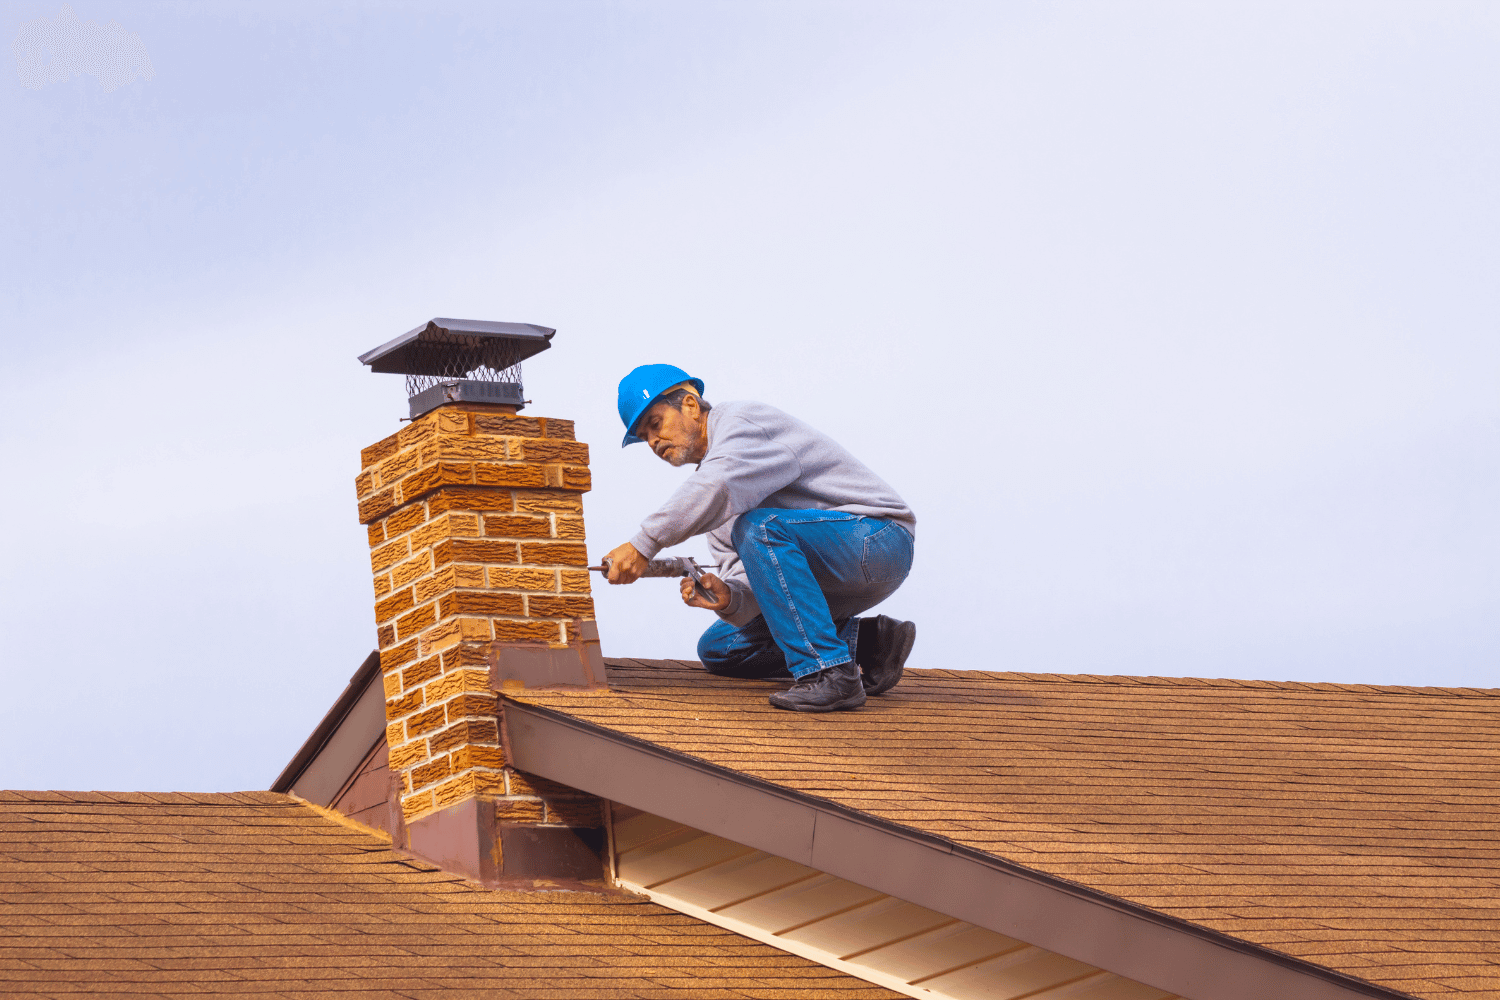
x=805, y=537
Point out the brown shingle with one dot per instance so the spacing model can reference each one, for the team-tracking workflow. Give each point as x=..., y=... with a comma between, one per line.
x=255, y=893
x=1354, y=826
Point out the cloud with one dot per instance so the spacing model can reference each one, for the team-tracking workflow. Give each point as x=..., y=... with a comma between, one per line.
x=106, y=52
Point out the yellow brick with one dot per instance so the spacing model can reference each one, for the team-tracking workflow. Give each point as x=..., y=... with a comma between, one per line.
x=429, y=534
x=576, y=581
x=431, y=772
x=473, y=449
x=414, y=807
x=458, y=681
x=567, y=527
x=419, y=430
x=505, y=425
x=404, y=520
x=379, y=450
x=575, y=812
x=523, y=578
x=397, y=656
x=547, y=501
x=468, y=756
x=453, y=631
x=519, y=810
x=446, y=526
x=414, y=568
x=408, y=755
x=403, y=705
x=382, y=585
x=439, y=583
x=572, y=554
x=424, y=722
x=451, y=421
x=549, y=606
x=555, y=450
x=532, y=785
x=395, y=733
x=421, y=672
x=528, y=631
x=396, y=466
x=392, y=684
x=388, y=555
x=454, y=790
x=468, y=575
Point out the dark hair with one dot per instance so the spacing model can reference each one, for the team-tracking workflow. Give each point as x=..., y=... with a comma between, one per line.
x=676, y=396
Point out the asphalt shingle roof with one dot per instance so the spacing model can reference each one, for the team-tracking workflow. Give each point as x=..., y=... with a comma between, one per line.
x=257, y=893
x=1352, y=826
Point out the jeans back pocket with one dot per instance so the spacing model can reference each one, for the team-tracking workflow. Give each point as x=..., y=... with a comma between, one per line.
x=888, y=553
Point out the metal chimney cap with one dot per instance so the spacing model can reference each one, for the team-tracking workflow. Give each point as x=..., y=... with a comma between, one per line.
x=432, y=348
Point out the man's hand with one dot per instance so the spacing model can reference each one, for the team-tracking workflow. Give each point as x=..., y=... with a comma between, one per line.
x=713, y=585
x=626, y=564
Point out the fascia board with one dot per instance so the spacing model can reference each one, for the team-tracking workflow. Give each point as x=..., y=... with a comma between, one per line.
x=341, y=741
x=1051, y=913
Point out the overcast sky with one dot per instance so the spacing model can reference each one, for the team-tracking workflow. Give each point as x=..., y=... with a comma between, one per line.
x=1178, y=325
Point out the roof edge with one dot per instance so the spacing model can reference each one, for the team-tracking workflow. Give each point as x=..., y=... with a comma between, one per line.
x=325, y=729
x=1045, y=910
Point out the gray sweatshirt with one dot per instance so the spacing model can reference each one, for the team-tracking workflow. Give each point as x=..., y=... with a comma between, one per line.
x=759, y=456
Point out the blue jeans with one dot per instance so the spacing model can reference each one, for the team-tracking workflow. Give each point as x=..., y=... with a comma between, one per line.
x=811, y=571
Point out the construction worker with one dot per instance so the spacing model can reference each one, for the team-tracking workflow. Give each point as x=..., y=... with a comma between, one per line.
x=804, y=535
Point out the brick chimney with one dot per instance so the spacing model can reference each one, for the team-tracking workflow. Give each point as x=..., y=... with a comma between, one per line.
x=475, y=520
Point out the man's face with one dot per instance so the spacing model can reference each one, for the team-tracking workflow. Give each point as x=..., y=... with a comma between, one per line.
x=677, y=436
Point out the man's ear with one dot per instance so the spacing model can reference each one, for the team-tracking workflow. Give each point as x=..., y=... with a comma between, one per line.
x=691, y=400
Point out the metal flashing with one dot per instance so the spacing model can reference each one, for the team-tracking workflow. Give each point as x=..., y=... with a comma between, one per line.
x=1052, y=913
x=579, y=664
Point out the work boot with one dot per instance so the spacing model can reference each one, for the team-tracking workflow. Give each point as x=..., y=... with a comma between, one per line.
x=890, y=645
x=826, y=690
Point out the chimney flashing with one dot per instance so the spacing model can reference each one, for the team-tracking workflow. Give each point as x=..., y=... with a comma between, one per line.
x=578, y=664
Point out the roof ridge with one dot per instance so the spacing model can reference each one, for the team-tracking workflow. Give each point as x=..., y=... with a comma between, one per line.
x=1152, y=680
x=1119, y=680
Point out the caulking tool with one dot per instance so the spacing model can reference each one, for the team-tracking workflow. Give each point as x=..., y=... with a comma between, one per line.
x=670, y=566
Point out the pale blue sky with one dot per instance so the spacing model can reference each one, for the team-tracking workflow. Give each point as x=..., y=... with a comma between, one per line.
x=1177, y=324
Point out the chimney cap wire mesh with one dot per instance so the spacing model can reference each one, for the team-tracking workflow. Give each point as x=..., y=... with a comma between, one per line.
x=442, y=350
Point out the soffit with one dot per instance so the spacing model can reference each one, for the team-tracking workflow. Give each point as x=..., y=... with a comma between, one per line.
x=889, y=941
x=1349, y=826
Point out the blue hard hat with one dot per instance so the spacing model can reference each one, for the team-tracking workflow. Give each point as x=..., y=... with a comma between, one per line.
x=640, y=389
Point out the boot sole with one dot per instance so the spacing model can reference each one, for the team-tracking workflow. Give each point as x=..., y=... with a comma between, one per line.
x=853, y=701
x=903, y=651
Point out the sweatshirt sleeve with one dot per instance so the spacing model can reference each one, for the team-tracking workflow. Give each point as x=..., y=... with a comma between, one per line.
x=743, y=467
